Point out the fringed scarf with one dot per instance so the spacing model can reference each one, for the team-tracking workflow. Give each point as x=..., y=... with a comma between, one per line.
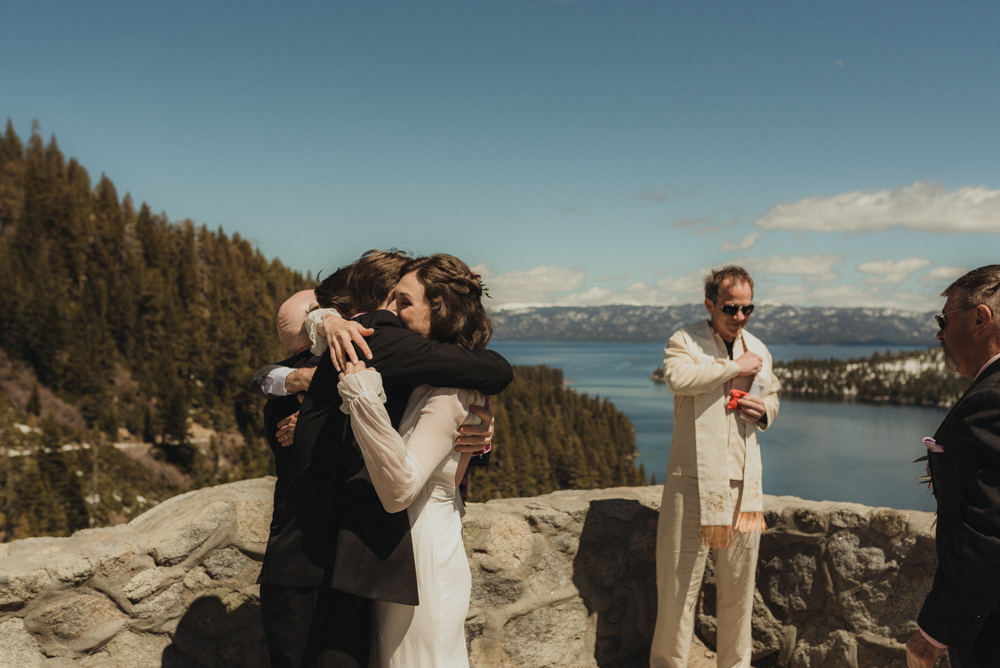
x=712, y=453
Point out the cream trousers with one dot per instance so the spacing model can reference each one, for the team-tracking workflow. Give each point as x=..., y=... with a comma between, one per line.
x=680, y=566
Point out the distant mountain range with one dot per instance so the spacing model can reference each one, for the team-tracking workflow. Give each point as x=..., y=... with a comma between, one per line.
x=774, y=324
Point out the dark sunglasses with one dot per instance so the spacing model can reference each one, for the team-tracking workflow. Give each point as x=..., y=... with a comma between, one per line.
x=733, y=309
x=942, y=319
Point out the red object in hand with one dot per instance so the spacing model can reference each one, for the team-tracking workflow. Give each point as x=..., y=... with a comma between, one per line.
x=733, y=403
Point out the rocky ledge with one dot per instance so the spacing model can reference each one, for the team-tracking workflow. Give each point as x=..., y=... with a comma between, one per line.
x=566, y=579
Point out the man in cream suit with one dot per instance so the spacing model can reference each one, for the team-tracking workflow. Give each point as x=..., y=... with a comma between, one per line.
x=724, y=392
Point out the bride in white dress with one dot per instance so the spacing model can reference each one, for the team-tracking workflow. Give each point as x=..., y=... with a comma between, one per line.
x=417, y=469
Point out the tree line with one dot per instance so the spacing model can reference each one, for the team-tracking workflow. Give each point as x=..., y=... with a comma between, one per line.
x=916, y=377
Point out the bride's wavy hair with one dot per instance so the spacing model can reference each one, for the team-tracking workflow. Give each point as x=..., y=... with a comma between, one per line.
x=455, y=295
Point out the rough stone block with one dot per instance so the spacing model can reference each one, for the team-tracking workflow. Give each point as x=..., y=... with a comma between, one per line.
x=847, y=518
x=889, y=522
x=131, y=650
x=174, y=543
x=550, y=637
x=809, y=521
x=253, y=520
x=552, y=572
x=766, y=630
x=166, y=604
x=839, y=650
x=17, y=646
x=788, y=579
x=546, y=517
x=854, y=562
x=226, y=563
x=73, y=568
x=510, y=540
x=18, y=587
x=144, y=583
x=118, y=561
x=80, y=622
x=198, y=579
x=494, y=590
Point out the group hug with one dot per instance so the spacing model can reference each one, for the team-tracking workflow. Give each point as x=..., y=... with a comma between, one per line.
x=383, y=405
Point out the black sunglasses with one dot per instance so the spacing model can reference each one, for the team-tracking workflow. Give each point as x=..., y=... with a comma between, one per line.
x=733, y=309
x=942, y=319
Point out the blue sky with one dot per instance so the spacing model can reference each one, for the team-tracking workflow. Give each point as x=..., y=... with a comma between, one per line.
x=583, y=152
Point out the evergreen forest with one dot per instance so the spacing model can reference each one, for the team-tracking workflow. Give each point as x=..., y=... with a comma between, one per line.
x=126, y=342
x=917, y=377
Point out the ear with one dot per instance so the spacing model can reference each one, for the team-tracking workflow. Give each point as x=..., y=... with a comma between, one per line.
x=710, y=306
x=984, y=317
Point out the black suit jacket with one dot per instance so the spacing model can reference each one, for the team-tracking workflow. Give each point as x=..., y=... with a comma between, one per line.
x=330, y=529
x=966, y=475
x=277, y=409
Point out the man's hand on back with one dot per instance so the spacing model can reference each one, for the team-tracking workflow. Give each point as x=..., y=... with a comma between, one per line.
x=749, y=363
x=340, y=334
x=286, y=429
x=299, y=380
x=476, y=437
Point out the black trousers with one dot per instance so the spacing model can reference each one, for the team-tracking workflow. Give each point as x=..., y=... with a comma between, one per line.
x=310, y=627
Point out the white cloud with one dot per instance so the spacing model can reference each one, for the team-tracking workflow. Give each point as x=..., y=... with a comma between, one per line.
x=891, y=272
x=943, y=274
x=747, y=243
x=603, y=278
x=686, y=288
x=810, y=267
x=540, y=285
x=926, y=206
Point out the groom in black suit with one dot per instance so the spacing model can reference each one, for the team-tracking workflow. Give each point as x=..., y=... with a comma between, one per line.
x=333, y=548
x=961, y=612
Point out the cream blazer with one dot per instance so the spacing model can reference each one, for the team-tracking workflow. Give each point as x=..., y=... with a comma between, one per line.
x=698, y=371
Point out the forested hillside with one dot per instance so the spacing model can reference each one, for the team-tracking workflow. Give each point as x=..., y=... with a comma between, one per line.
x=554, y=438
x=118, y=326
x=915, y=377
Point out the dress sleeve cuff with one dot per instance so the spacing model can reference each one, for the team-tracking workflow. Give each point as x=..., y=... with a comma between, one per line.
x=313, y=319
x=931, y=640
x=356, y=385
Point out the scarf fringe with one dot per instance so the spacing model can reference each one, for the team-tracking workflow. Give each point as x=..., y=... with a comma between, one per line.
x=751, y=523
x=722, y=536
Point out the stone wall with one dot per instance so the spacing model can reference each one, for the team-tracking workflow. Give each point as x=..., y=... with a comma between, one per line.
x=566, y=579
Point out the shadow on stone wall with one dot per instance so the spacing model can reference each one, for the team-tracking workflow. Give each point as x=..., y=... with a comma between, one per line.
x=615, y=572
x=222, y=628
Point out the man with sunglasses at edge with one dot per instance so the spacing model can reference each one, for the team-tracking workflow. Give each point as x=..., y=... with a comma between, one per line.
x=724, y=391
x=962, y=610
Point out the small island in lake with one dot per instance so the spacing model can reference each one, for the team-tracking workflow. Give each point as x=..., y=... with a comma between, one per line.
x=917, y=377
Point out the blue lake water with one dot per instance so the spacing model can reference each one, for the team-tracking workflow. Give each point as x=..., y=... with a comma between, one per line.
x=816, y=450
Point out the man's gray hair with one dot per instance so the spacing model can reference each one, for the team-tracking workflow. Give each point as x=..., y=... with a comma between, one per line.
x=979, y=286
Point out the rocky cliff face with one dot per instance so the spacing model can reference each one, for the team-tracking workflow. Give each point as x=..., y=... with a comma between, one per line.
x=566, y=579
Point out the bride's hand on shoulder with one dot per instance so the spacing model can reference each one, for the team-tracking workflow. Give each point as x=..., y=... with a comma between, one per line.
x=352, y=368
x=340, y=335
x=476, y=438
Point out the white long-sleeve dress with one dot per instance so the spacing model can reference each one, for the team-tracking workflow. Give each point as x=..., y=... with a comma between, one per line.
x=415, y=469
